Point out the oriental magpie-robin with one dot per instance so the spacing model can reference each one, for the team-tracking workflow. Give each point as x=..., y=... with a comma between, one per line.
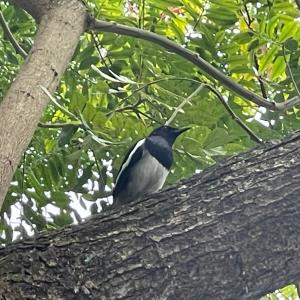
x=146, y=165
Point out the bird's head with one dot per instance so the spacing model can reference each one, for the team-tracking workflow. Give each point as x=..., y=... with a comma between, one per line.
x=168, y=133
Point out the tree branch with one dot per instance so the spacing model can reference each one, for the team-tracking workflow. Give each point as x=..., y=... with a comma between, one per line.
x=231, y=232
x=21, y=109
x=11, y=38
x=188, y=99
x=289, y=70
x=252, y=135
x=60, y=125
x=259, y=78
x=103, y=26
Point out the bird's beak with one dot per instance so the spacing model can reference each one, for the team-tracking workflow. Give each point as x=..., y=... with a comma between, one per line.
x=182, y=130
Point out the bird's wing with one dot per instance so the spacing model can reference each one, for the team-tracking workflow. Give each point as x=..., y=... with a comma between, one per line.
x=131, y=158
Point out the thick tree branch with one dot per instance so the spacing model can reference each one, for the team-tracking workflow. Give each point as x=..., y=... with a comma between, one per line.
x=59, y=31
x=231, y=232
x=194, y=58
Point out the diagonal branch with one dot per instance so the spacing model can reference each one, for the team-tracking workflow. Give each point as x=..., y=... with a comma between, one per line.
x=259, y=77
x=11, y=38
x=208, y=69
x=195, y=93
x=230, y=232
x=289, y=69
x=57, y=37
x=251, y=134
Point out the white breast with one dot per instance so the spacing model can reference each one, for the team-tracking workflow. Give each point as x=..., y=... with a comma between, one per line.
x=148, y=176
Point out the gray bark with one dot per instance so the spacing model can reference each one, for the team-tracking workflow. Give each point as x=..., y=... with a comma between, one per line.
x=60, y=27
x=231, y=232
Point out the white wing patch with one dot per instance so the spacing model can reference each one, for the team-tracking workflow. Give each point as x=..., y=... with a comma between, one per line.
x=126, y=163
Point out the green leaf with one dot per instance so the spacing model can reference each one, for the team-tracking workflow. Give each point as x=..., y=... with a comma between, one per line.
x=60, y=199
x=289, y=30
x=74, y=156
x=34, y=217
x=46, y=173
x=66, y=135
x=271, y=25
x=222, y=15
x=54, y=171
x=50, y=145
x=278, y=68
x=254, y=44
x=12, y=58
x=87, y=62
x=62, y=219
x=243, y=37
x=217, y=137
x=86, y=174
x=291, y=44
x=228, y=4
x=268, y=58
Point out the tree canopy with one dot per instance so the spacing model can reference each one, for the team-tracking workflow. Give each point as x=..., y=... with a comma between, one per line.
x=117, y=88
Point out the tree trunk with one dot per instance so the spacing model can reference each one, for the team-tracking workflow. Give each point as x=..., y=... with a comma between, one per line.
x=61, y=24
x=231, y=232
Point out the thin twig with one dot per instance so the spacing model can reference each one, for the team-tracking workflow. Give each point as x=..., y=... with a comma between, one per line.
x=249, y=21
x=179, y=107
x=252, y=135
x=117, y=109
x=84, y=125
x=207, y=68
x=289, y=70
x=141, y=55
x=76, y=72
x=259, y=78
x=11, y=38
x=195, y=25
x=155, y=104
x=59, y=125
x=101, y=179
x=99, y=52
x=138, y=112
x=64, y=110
x=139, y=89
x=23, y=216
x=199, y=16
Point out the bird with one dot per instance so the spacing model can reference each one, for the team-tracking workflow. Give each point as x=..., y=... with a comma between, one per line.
x=146, y=165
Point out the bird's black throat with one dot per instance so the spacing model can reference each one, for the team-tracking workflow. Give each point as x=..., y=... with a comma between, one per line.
x=160, y=149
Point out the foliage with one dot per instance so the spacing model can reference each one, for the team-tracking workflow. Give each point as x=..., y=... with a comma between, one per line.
x=79, y=146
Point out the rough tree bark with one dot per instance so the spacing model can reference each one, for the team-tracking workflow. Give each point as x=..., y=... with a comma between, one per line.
x=229, y=233
x=61, y=22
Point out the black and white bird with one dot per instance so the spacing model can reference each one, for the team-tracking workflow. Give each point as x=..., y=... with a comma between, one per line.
x=146, y=165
